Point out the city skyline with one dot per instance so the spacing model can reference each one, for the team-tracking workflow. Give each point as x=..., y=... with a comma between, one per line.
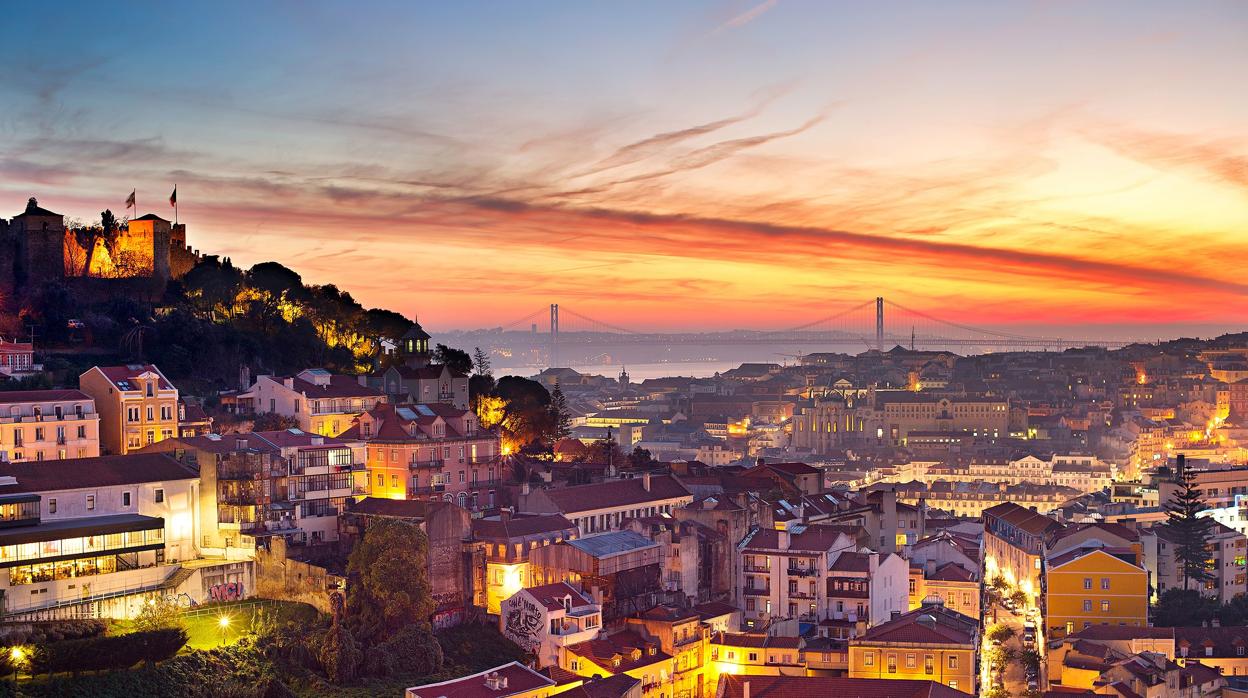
x=707, y=166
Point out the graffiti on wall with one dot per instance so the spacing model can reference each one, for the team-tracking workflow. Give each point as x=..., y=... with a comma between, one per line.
x=524, y=622
x=230, y=591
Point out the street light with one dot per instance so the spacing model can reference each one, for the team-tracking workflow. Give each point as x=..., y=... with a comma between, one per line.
x=224, y=623
x=16, y=655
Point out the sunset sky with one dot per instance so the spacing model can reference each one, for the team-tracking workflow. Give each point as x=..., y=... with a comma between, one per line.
x=661, y=164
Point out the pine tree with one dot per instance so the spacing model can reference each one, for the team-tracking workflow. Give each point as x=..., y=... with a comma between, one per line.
x=560, y=416
x=1191, y=531
x=480, y=362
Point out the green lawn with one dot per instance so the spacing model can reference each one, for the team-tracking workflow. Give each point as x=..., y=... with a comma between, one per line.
x=203, y=624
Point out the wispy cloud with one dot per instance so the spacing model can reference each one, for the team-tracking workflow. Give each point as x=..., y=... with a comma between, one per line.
x=746, y=17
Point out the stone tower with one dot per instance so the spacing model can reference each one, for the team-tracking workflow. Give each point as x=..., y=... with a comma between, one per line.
x=152, y=233
x=39, y=235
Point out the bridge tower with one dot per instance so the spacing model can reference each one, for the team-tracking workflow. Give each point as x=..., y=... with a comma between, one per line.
x=879, y=323
x=554, y=335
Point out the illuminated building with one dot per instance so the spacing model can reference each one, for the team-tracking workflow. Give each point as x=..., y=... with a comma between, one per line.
x=931, y=643
x=973, y=499
x=429, y=451
x=504, y=542
x=137, y=405
x=1078, y=660
x=681, y=634
x=544, y=620
x=17, y=359
x=627, y=653
x=48, y=425
x=956, y=586
x=321, y=402
x=1094, y=586
x=1228, y=550
x=1014, y=546
x=753, y=654
x=101, y=536
x=619, y=569
x=257, y=485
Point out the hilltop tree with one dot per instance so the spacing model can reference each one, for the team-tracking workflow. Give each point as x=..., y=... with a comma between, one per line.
x=455, y=359
x=480, y=363
x=1190, y=530
x=88, y=237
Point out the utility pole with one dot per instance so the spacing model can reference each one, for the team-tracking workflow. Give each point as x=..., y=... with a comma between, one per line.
x=554, y=335
x=879, y=323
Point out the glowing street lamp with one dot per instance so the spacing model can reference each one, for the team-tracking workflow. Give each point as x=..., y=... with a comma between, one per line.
x=16, y=655
x=224, y=623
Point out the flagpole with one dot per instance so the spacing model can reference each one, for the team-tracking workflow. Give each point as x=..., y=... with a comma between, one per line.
x=175, y=203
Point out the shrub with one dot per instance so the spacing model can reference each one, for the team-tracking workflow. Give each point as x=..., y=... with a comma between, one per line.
x=412, y=650
x=115, y=653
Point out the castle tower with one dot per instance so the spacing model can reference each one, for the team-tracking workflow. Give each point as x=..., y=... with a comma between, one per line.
x=624, y=377
x=39, y=235
x=149, y=236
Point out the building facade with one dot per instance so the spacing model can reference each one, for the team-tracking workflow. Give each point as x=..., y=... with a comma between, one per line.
x=48, y=425
x=137, y=405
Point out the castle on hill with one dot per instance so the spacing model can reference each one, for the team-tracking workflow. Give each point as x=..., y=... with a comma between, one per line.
x=36, y=247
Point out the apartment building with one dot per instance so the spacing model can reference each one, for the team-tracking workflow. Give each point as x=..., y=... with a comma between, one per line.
x=262, y=484
x=544, y=620
x=137, y=405
x=866, y=586
x=1094, y=586
x=786, y=573
x=48, y=425
x=429, y=451
x=503, y=542
x=626, y=653
x=1228, y=551
x=931, y=643
x=321, y=402
x=680, y=633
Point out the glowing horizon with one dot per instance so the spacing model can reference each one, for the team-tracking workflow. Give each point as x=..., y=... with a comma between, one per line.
x=714, y=165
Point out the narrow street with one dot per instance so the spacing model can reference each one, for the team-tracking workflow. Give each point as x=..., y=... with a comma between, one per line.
x=1015, y=672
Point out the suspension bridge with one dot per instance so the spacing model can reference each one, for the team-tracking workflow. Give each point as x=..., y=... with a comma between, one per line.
x=876, y=324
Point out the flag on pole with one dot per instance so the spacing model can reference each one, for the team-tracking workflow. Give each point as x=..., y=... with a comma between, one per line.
x=173, y=198
x=130, y=200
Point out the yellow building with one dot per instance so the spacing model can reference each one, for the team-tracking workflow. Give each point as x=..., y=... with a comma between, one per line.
x=930, y=643
x=1094, y=586
x=753, y=654
x=48, y=425
x=624, y=653
x=952, y=583
x=137, y=405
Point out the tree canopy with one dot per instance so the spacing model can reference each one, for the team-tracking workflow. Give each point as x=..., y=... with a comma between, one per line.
x=389, y=580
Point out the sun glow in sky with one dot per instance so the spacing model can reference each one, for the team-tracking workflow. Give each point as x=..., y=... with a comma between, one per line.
x=665, y=165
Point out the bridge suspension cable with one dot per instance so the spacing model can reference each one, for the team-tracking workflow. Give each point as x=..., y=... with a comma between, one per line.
x=822, y=320
x=968, y=328
x=596, y=325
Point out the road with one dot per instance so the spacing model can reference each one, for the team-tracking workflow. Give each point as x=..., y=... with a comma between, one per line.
x=1015, y=673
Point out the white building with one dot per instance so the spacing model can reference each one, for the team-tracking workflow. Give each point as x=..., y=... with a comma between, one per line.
x=544, y=620
x=784, y=574
x=100, y=536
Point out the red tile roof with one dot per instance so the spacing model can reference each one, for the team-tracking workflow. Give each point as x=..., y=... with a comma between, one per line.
x=9, y=397
x=519, y=678
x=952, y=572
x=551, y=595
x=102, y=471
x=339, y=386
x=849, y=561
x=118, y=374
x=733, y=686
x=495, y=528
x=926, y=625
x=602, y=650
x=616, y=493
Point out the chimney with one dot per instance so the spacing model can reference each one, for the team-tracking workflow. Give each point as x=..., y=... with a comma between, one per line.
x=241, y=444
x=782, y=539
x=645, y=481
x=504, y=514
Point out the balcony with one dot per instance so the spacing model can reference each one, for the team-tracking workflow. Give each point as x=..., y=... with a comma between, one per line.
x=433, y=489
x=793, y=594
x=752, y=591
x=756, y=569
x=432, y=463
x=802, y=571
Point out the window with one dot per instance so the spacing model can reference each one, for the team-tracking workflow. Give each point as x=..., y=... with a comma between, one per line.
x=51, y=506
x=125, y=499
x=151, y=413
x=911, y=660
x=1105, y=583
x=753, y=656
x=953, y=661
x=166, y=412
x=150, y=391
x=1087, y=582
x=953, y=683
x=160, y=495
x=132, y=414
x=1105, y=606
x=1087, y=605
x=82, y=432
x=892, y=664
x=868, y=658
x=394, y=481
x=90, y=502
x=929, y=665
